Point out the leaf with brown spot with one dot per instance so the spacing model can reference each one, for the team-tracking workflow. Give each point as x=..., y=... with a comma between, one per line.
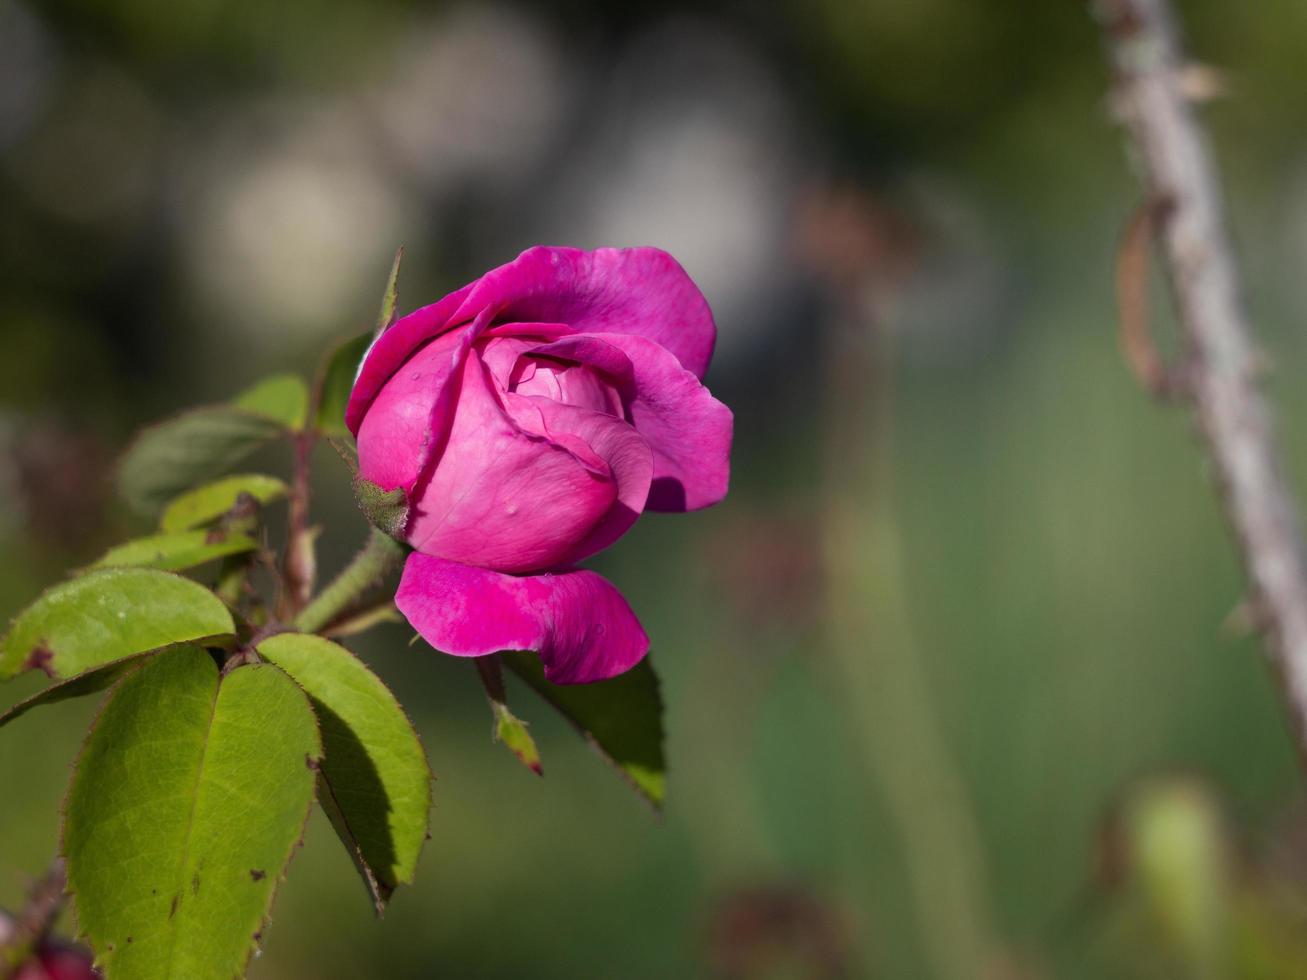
x=182, y=773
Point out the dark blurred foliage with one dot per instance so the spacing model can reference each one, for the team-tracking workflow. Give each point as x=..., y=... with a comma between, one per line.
x=971, y=587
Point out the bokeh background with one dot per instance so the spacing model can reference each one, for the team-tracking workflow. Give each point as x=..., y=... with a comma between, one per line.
x=958, y=680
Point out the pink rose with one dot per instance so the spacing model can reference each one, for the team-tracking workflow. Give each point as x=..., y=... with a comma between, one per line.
x=530, y=418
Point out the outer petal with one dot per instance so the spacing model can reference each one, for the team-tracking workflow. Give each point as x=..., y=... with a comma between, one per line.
x=410, y=417
x=576, y=620
x=639, y=291
x=687, y=428
x=394, y=345
x=501, y=496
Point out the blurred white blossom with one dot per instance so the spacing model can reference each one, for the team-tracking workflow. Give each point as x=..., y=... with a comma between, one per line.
x=287, y=220
x=475, y=95
x=26, y=69
x=694, y=148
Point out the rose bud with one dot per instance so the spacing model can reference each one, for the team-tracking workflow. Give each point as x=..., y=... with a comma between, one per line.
x=529, y=419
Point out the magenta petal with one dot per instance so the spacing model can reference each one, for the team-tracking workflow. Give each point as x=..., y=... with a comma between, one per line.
x=394, y=345
x=611, y=362
x=409, y=419
x=687, y=428
x=639, y=291
x=502, y=496
x=629, y=459
x=551, y=292
x=577, y=621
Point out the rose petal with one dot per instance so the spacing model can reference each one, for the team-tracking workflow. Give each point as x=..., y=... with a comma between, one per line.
x=609, y=361
x=687, y=428
x=501, y=354
x=549, y=292
x=500, y=496
x=614, y=440
x=409, y=419
x=638, y=291
x=577, y=621
x=393, y=346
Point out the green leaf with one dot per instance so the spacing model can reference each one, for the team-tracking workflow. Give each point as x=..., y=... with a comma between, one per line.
x=335, y=382
x=208, y=503
x=176, y=551
x=188, y=799
x=189, y=449
x=92, y=681
x=107, y=615
x=375, y=784
x=283, y=398
x=622, y=718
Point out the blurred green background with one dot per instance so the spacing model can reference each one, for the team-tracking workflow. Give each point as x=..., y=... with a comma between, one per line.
x=956, y=684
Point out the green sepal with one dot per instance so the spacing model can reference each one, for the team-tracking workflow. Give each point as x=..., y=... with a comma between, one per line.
x=507, y=727
x=107, y=615
x=390, y=298
x=513, y=732
x=184, y=810
x=621, y=718
x=386, y=510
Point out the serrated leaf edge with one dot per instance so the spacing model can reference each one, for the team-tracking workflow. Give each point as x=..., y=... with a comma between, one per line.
x=80, y=933
x=380, y=893
x=656, y=806
x=209, y=640
x=295, y=848
x=21, y=708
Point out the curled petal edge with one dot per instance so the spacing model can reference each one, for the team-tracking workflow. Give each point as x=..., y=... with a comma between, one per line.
x=576, y=620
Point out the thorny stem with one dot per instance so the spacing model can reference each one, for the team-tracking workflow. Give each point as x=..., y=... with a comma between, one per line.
x=1222, y=362
x=378, y=558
